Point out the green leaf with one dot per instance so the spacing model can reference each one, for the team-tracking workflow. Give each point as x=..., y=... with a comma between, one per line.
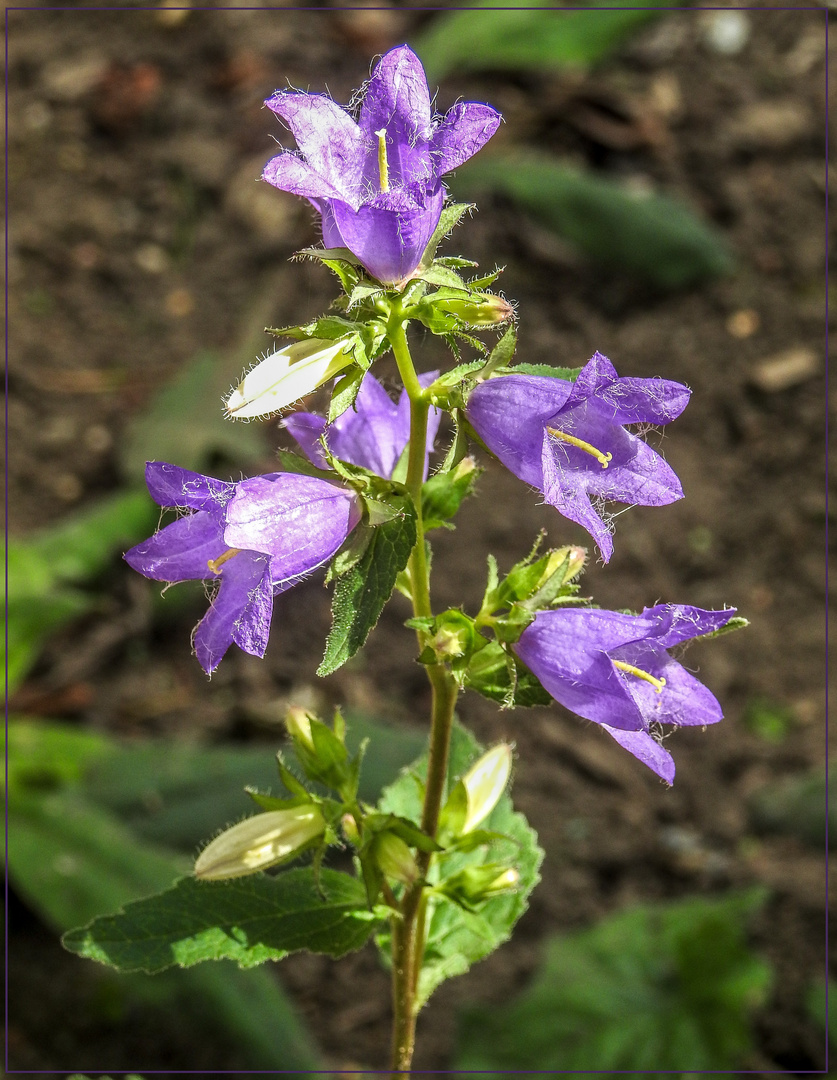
x=345, y=393
x=651, y=235
x=186, y=423
x=249, y=920
x=525, y=38
x=547, y=370
x=451, y=216
x=499, y=676
x=456, y=939
x=444, y=493
x=360, y=593
x=666, y=987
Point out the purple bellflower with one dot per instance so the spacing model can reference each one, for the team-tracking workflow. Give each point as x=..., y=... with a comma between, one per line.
x=568, y=439
x=372, y=434
x=376, y=182
x=257, y=538
x=616, y=670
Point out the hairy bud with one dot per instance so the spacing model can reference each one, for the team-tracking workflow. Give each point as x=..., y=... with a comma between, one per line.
x=260, y=842
x=485, y=782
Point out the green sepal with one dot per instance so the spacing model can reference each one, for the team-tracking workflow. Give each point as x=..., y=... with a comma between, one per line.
x=444, y=493
x=342, y=262
x=345, y=392
x=451, y=216
x=271, y=802
x=737, y=622
x=361, y=592
x=486, y=279
x=567, y=374
x=297, y=463
x=327, y=327
x=291, y=782
x=350, y=554
x=474, y=839
x=441, y=275
x=502, y=353
x=499, y=676
x=458, y=449
x=454, y=812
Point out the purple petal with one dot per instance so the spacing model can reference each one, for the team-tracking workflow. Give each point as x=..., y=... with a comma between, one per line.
x=566, y=651
x=683, y=700
x=367, y=435
x=300, y=521
x=290, y=173
x=239, y=610
x=332, y=143
x=465, y=129
x=307, y=429
x=566, y=490
x=680, y=622
x=640, y=477
x=169, y=485
x=180, y=551
x=644, y=401
x=397, y=100
x=390, y=233
x=597, y=374
x=647, y=750
x=509, y=413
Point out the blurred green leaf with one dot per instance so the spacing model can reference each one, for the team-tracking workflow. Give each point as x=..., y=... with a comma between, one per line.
x=44, y=566
x=525, y=37
x=769, y=721
x=185, y=424
x=456, y=939
x=651, y=235
x=821, y=1003
x=800, y=806
x=662, y=987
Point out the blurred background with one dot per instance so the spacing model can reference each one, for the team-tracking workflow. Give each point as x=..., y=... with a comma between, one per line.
x=657, y=193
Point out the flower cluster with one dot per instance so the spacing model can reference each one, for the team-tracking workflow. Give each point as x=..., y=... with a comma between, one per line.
x=375, y=179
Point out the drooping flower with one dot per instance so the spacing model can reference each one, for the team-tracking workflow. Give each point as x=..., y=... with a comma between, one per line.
x=568, y=439
x=377, y=182
x=309, y=521
x=285, y=376
x=372, y=434
x=616, y=670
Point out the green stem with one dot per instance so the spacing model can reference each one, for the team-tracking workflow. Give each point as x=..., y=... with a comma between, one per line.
x=408, y=930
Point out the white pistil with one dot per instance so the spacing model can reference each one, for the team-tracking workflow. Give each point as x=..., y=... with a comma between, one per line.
x=658, y=684
x=588, y=448
x=383, y=167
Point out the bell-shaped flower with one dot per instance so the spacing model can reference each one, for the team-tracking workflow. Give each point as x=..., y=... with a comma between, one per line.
x=372, y=434
x=569, y=439
x=377, y=181
x=286, y=376
x=616, y=670
x=310, y=520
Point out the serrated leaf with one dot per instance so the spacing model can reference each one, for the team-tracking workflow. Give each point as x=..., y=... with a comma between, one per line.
x=651, y=235
x=515, y=39
x=656, y=988
x=456, y=939
x=249, y=920
x=360, y=593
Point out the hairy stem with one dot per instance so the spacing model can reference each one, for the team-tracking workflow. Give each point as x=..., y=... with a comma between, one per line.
x=408, y=928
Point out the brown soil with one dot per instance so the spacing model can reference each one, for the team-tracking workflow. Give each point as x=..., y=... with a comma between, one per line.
x=138, y=237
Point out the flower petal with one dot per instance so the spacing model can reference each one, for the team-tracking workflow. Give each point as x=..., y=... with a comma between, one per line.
x=332, y=143
x=644, y=401
x=366, y=435
x=390, y=233
x=180, y=551
x=397, y=100
x=238, y=609
x=300, y=521
x=307, y=428
x=646, y=749
x=566, y=490
x=679, y=622
x=288, y=172
x=169, y=485
x=464, y=130
x=683, y=700
x=566, y=651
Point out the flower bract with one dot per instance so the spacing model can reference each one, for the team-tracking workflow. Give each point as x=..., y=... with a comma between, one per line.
x=616, y=670
x=377, y=181
x=569, y=439
x=372, y=434
x=256, y=538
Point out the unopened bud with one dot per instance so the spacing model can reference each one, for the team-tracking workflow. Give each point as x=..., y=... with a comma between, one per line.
x=572, y=559
x=350, y=830
x=394, y=858
x=478, y=309
x=286, y=376
x=475, y=884
x=259, y=842
x=298, y=723
x=485, y=782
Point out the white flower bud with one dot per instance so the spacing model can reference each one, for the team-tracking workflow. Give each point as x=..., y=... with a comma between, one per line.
x=287, y=375
x=259, y=842
x=298, y=723
x=485, y=782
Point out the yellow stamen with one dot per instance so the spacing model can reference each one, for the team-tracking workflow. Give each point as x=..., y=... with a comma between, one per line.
x=587, y=447
x=215, y=564
x=383, y=167
x=658, y=684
